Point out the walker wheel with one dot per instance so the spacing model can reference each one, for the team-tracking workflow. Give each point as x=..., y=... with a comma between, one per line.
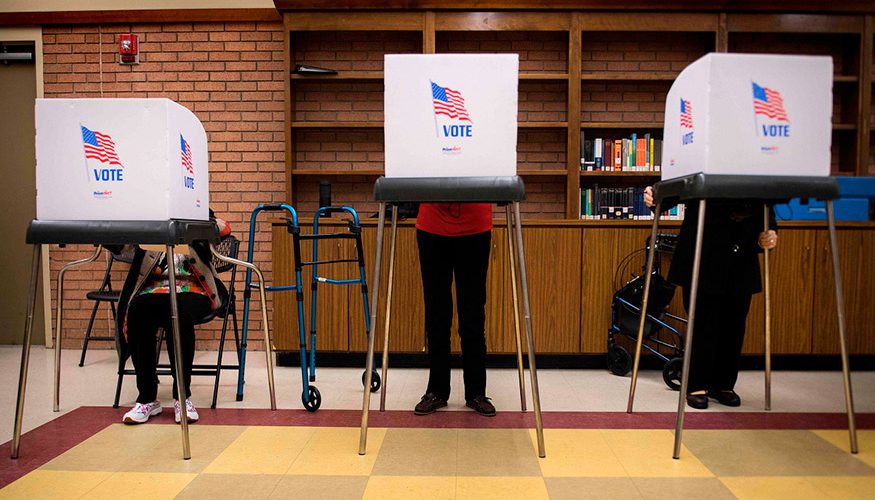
x=671, y=373
x=313, y=400
x=376, y=381
x=619, y=360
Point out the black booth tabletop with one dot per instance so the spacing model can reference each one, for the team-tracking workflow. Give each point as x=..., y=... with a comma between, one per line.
x=755, y=187
x=450, y=189
x=162, y=232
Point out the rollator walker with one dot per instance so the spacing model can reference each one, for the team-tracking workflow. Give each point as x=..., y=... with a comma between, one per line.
x=310, y=396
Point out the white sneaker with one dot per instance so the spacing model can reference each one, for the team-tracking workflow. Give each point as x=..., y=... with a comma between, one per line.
x=190, y=411
x=140, y=413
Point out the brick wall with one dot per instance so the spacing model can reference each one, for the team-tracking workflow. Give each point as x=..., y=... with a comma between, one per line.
x=231, y=76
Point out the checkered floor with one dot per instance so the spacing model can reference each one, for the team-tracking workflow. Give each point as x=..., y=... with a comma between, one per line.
x=301, y=461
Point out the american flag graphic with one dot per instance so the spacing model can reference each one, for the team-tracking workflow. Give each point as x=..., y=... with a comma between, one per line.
x=449, y=102
x=186, y=155
x=768, y=102
x=686, y=114
x=99, y=147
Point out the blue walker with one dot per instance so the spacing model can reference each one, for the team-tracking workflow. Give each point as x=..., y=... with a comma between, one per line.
x=310, y=396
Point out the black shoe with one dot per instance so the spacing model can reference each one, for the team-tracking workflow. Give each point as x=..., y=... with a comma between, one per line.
x=697, y=401
x=726, y=397
x=482, y=405
x=429, y=404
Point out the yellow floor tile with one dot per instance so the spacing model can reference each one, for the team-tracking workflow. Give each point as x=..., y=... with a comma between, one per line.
x=262, y=450
x=59, y=484
x=577, y=453
x=334, y=451
x=501, y=488
x=419, y=487
x=147, y=448
x=418, y=452
x=865, y=443
x=217, y=486
x=648, y=453
x=770, y=452
x=845, y=487
x=600, y=488
x=154, y=485
x=320, y=487
x=496, y=452
x=795, y=487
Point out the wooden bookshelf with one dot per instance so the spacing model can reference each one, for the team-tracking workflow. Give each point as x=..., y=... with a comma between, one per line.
x=594, y=67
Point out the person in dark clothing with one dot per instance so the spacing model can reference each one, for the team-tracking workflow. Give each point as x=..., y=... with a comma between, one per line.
x=454, y=242
x=729, y=275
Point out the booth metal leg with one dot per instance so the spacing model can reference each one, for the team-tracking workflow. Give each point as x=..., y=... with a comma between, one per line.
x=268, y=341
x=688, y=342
x=56, y=401
x=516, y=307
x=366, y=398
x=843, y=334
x=533, y=371
x=643, y=313
x=25, y=351
x=385, y=365
x=177, y=352
x=768, y=315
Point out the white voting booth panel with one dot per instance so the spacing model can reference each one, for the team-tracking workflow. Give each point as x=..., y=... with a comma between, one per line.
x=120, y=159
x=747, y=114
x=451, y=115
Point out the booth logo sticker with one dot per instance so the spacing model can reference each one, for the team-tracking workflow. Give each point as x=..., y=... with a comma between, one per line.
x=102, y=162
x=187, y=165
x=449, y=105
x=686, y=122
x=770, y=117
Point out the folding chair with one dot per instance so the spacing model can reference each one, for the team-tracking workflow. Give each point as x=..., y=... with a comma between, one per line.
x=104, y=294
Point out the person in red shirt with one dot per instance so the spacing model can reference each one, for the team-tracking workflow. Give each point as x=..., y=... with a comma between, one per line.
x=454, y=241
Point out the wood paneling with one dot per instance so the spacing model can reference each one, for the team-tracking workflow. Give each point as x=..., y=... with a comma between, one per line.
x=794, y=23
x=333, y=301
x=792, y=289
x=572, y=271
x=610, y=21
x=856, y=250
x=648, y=5
x=502, y=21
x=552, y=255
x=354, y=21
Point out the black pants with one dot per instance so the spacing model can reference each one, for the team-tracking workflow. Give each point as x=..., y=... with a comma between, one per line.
x=147, y=313
x=717, y=340
x=465, y=258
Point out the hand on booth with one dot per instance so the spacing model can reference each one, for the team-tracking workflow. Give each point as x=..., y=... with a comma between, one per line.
x=648, y=196
x=768, y=239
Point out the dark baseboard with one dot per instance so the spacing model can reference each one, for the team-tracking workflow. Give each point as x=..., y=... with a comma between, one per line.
x=799, y=362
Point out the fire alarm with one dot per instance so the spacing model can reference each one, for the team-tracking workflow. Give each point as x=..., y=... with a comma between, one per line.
x=128, y=49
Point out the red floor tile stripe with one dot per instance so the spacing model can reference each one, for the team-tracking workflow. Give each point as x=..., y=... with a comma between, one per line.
x=46, y=442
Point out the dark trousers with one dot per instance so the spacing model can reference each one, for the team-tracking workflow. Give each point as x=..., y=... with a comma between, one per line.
x=146, y=314
x=465, y=258
x=717, y=340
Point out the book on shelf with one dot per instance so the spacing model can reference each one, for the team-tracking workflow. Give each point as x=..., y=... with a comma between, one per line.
x=620, y=203
x=637, y=153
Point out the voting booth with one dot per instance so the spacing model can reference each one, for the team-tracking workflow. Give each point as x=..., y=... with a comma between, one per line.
x=451, y=132
x=120, y=159
x=749, y=114
x=746, y=127
x=451, y=115
x=115, y=172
